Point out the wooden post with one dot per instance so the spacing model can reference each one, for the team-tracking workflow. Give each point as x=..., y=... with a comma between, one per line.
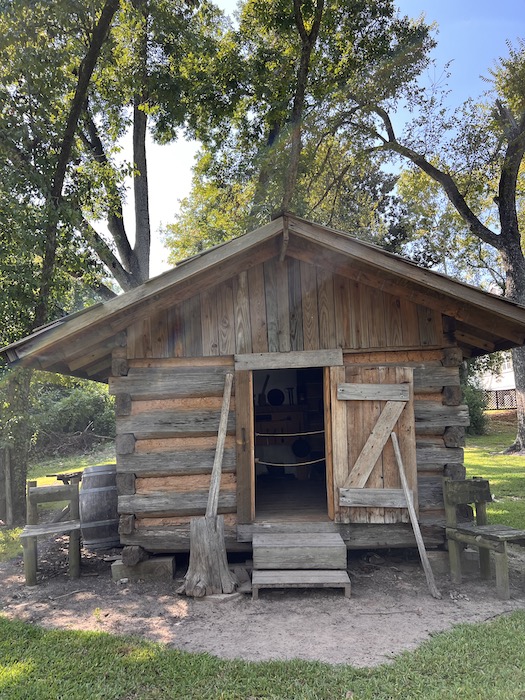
x=30, y=543
x=74, y=536
x=413, y=519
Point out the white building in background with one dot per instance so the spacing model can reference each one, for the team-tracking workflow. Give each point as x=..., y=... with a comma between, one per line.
x=500, y=387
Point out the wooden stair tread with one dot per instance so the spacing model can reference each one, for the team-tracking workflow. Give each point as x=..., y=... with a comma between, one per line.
x=278, y=551
x=300, y=578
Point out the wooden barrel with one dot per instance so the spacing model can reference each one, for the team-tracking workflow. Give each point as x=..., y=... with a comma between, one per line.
x=98, y=507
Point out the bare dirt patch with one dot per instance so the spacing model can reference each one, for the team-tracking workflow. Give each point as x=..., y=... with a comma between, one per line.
x=390, y=609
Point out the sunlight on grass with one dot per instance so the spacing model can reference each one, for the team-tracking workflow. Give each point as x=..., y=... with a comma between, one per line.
x=485, y=457
x=470, y=662
x=40, y=469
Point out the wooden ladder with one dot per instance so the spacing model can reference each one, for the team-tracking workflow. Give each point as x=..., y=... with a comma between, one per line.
x=299, y=560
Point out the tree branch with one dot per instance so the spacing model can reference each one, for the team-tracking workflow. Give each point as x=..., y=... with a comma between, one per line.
x=85, y=72
x=106, y=255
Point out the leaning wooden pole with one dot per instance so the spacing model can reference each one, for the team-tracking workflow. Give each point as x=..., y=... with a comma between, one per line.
x=413, y=519
x=208, y=571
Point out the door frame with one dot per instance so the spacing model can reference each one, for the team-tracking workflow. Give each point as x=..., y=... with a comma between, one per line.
x=244, y=412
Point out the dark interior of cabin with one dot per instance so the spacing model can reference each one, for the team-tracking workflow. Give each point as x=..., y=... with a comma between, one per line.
x=290, y=468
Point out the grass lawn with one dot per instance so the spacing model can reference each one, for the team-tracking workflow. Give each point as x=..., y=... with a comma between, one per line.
x=484, y=456
x=471, y=662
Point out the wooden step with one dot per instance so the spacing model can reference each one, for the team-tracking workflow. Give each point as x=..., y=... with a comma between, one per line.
x=299, y=551
x=300, y=579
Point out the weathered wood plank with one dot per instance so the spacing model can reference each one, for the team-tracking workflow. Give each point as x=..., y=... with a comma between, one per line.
x=433, y=454
x=356, y=535
x=378, y=498
x=174, y=539
x=287, y=360
x=165, y=504
x=175, y=332
x=296, y=304
x=226, y=318
x=241, y=295
x=160, y=424
x=430, y=415
x=188, y=461
x=272, y=306
x=373, y=392
x=283, y=305
x=299, y=551
x=310, y=308
x=258, y=309
x=168, y=383
x=181, y=483
x=343, y=313
x=429, y=378
x=394, y=321
x=325, y=303
x=210, y=324
x=191, y=309
x=300, y=579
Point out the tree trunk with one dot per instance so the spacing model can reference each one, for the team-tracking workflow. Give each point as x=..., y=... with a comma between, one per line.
x=514, y=263
x=16, y=433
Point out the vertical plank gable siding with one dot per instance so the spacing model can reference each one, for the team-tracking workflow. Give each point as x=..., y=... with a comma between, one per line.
x=283, y=306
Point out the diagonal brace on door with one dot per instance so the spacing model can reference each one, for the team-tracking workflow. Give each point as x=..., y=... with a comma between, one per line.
x=375, y=444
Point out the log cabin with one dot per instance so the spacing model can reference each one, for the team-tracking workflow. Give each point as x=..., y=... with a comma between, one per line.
x=331, y=341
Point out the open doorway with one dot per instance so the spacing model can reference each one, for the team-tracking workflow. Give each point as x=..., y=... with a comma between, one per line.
x=290, y=467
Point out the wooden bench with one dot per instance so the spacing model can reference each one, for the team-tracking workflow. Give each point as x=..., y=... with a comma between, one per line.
x=48, y=494
x=486, y=538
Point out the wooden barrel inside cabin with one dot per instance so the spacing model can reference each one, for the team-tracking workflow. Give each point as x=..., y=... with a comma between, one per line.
x=98, y=507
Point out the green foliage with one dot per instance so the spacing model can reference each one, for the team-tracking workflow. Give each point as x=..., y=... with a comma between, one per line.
x=47, y=664
x=69, y=412
x=475, y=399
x=240, y=177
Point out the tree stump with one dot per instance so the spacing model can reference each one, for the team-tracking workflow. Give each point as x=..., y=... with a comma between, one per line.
x=208, y=571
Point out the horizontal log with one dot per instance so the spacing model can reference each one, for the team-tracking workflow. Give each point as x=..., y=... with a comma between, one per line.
x=430, y=415
x=199, y=403
x=172, y=521
x=176, y=539
x=431, y=377
x=160, y=424
x=355, y=535
x=373, y=392
x=50, y=494
x=195, y=442
x=189, y=461
x=170, y=382
x=289, y=360
x=438, y=455
x=166, y=504
x=185, y=483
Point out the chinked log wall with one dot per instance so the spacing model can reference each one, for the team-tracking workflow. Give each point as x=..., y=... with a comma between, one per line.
x=168, y=384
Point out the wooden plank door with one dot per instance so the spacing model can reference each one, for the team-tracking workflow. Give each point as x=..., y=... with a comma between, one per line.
x=367, y=404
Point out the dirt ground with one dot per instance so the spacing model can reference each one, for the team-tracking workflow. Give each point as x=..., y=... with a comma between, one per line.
x=390, y=609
